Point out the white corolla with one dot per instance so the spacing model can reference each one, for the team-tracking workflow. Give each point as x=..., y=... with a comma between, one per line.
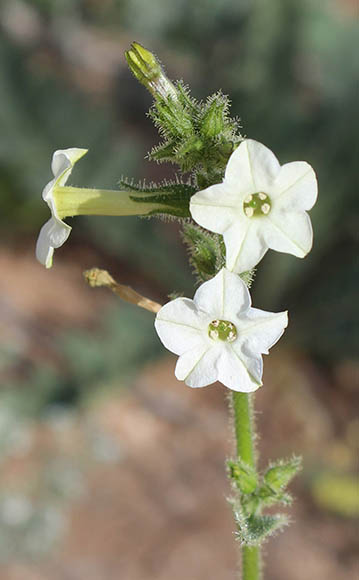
x=259, y=205
x=218, y=335
x=55, y=232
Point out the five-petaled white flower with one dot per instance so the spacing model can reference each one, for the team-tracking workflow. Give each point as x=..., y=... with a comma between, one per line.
x=259, y=205
x=218, y=336
x=55, y=232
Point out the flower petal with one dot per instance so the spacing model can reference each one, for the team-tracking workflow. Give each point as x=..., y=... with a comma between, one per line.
x=215, y=208
x=224, y=296
x=295, y=188
x=62, y=164
x=55, y=232
x=252, y=167
x=181, y=326
x=259, y=331
x=289, y=232
x=234, y=373
x=245, y=246
x=52, y=235
x=64, y=159
x=198, y=367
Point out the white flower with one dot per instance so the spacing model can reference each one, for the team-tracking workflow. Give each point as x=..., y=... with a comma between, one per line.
x=218, y=336
x=55, y=232
x=259, y=205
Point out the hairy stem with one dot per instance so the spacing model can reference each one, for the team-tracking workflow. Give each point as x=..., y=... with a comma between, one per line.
x=245, y=437
x=250, y=562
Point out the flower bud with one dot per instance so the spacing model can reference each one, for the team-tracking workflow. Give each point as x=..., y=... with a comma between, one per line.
x=214, y=120
x=148, y=71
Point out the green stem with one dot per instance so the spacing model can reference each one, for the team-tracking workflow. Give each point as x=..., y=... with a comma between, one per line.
x=243, y=427
x=245, y=436
x=250, y=563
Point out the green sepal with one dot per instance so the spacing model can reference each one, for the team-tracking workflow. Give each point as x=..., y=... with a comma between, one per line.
x=215, y=121
x=205, y=250
x=172, y=120
x=184, y=97
x=215, y=116
x=243, y=476
x=172, y=198
x=279, y=474
x=199, y=137
x=170, y=188
x=248, y=277
x=212, y=122
x=163, y=152
x=189, y=152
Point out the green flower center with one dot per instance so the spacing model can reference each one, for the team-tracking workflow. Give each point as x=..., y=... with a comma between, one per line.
x=257, y=204
x=222, y=330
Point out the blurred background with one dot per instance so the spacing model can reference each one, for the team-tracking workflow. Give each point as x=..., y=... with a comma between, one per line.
x=109, y=467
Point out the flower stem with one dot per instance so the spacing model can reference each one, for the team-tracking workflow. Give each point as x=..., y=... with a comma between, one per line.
x=250, y=562
x=245, y=437
x=243, y=427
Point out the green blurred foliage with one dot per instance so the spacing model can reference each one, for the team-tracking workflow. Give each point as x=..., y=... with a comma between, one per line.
x=338, y=493
x=91, y=361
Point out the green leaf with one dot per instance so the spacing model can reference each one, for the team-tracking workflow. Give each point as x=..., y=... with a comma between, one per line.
x=255, y=529
x=280, y=474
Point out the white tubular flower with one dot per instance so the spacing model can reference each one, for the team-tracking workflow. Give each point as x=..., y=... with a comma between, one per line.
x=259, y=205
x=55, y=232
x=218, y=336
x=67, y=201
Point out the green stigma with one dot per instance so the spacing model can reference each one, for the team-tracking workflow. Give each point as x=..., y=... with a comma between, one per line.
x=257, y=204
x=222, y=330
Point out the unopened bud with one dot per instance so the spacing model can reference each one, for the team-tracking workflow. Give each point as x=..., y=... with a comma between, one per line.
x=214, y=120
x=149, y=72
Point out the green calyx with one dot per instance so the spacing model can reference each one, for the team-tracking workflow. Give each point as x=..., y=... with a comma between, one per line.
x=206, y=251
x=257, y=205
x=222, y=330
x=167, y=198
x=197, y=136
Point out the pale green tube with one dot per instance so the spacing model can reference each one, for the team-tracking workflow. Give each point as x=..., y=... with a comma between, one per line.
x=71, y=201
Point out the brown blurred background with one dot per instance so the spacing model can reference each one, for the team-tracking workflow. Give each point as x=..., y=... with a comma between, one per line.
x=109, y=468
